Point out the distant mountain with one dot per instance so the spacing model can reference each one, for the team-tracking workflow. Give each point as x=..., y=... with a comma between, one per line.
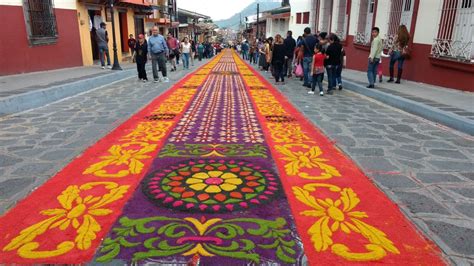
x=233, y=22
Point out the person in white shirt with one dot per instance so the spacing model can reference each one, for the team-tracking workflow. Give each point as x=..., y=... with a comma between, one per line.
x=185, y=51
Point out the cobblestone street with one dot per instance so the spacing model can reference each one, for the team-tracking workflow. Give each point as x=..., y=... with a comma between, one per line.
x=427, y=169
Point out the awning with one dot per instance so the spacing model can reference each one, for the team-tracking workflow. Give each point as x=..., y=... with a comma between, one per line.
x=134, y=2
x=160, y=21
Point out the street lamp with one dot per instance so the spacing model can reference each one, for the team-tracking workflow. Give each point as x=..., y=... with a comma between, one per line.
x=116, y=65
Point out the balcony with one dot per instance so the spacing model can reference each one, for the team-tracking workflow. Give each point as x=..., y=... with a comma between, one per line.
x=361, y=38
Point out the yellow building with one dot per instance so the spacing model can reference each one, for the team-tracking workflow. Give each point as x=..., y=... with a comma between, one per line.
x=129, y=18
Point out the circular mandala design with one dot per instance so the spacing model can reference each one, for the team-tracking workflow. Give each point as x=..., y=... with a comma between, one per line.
x=211, y=185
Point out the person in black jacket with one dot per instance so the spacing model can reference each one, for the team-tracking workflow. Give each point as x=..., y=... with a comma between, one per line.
x=141, y=52
x=290, y=45
x=278, y=59
x=333, y=61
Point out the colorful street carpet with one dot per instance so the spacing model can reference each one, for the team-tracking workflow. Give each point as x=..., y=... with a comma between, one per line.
x=219, y=170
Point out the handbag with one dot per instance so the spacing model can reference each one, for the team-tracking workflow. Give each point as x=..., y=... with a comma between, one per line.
x=406, y=52
x=299, y=71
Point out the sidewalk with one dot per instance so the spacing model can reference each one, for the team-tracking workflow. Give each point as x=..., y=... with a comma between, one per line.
x=449, y=107
x=30, y=90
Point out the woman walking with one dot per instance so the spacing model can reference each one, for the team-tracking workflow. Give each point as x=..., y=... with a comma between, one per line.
x=333, y=55
x=399, y=54
x=185, y=51
x=278, y=59
x=141, y=52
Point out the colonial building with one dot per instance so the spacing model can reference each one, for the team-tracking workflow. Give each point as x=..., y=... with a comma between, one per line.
x=442, y=34
x=191, y=25
x=50, y=34
x=38, y=35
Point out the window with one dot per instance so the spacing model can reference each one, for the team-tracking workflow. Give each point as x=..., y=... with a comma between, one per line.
x=40, y=21
x=341, y=23
x=282, y=24
x=298, y=18
x=455, y=38
x=306, y=18
x=401, y=12
x=326, y=14
x=364, y=23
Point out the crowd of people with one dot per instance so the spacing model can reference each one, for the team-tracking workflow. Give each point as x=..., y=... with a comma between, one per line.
x=310, y=56
x=162, y=50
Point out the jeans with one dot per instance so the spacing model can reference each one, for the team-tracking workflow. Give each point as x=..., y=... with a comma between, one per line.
x=200, y=55
x=104, y=49
x=372, y=71
x=141, y=70
x=396, y=56
x=278, y=72
x=332, y=73
x=186, y=60
x=160, y=60
x=306, y=70
x=338, y=75
x=317, y=80
x=288, y=67
x=245, y=55
x=256, y=56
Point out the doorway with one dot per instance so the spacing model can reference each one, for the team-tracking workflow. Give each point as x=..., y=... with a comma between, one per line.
x=123, y=32
x=139, y=26
x=95, y=19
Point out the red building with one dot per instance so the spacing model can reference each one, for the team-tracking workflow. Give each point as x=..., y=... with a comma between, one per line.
x=441, y=43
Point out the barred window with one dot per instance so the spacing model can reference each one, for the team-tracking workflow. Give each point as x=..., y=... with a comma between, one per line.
x=325, y=18
x=40, y=21
x=341, y=23
x=364, y=23
x=456, y=31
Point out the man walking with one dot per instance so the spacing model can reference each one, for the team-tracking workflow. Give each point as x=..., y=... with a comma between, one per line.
x=102, y=44
x=172, y=43
x=131, y=44
x=307, y=45
x=374, y=57
x=158, y=51
x=290, y=45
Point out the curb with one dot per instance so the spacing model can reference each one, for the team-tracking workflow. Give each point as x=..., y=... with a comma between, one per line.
x=433, y=114
x=37, y=98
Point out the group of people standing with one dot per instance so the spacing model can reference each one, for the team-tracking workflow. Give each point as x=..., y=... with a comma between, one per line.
x=312, y=55
x=161, y=50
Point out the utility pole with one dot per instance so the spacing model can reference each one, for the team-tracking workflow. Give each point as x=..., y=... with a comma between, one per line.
x=258, y=13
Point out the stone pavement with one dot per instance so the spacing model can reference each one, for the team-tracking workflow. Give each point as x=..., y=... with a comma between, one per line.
x=428, y=170
x=21, y=83
x=36, y=144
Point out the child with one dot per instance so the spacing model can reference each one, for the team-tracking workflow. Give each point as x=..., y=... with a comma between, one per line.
x=379, y=70
x=317, y=70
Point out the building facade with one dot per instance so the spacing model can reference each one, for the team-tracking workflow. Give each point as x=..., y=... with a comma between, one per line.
x=38, y=35
x=51, y=34
x=441, y=43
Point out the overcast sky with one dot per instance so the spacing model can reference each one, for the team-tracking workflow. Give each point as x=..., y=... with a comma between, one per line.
x=216, y=9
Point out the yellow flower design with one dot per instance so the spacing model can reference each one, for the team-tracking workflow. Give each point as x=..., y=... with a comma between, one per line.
x=309, y=159
x=76, y=211
x=340, y=215
x=214, y=181
x=120, y=155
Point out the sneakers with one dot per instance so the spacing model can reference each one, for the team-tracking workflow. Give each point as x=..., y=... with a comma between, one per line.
x=166, y=79
x=321, y=93
x=340, y=86
x=329, y=92
x=103, y=67
x=370, y=86
x=109, y=66
x=156, y=80
x=310, y=92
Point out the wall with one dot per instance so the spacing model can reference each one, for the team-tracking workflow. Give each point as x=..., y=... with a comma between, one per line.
x=298, y=6
x=85, y=39
x=17, y=56
x=419, y=68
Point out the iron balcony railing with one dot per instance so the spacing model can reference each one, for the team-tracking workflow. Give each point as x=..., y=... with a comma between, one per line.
x=452, y=49
x=362, y=38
